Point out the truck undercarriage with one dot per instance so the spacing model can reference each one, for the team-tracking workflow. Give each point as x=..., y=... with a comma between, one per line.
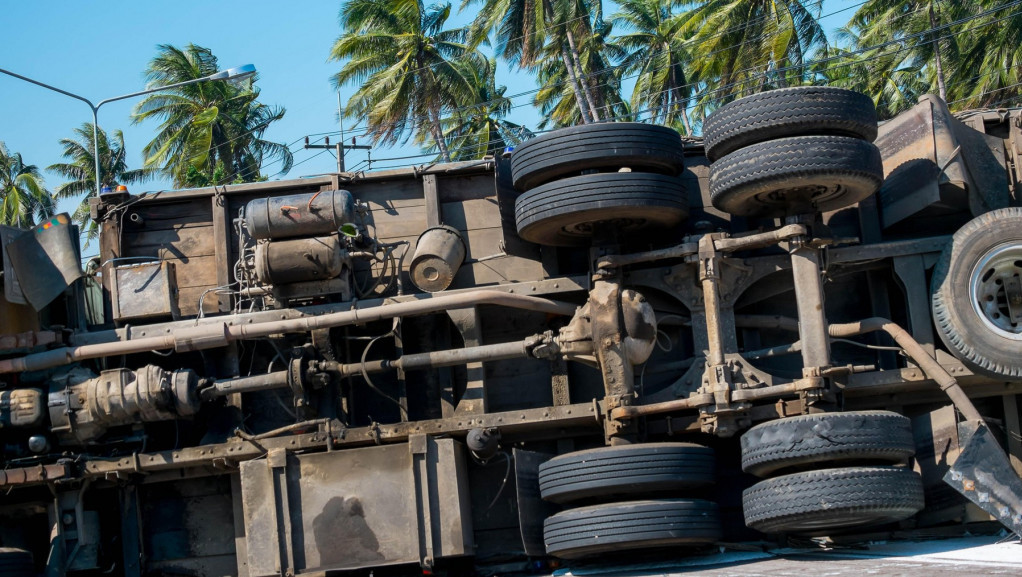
x=612, y=339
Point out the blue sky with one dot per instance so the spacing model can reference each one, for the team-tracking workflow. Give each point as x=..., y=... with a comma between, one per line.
x=100, y=50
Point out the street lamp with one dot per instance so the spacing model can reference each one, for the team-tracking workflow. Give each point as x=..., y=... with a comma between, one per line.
x=232, y=75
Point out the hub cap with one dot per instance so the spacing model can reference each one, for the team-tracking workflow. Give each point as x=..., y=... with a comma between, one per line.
x=995, y=290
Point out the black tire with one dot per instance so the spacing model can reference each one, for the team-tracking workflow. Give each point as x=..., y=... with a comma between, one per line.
x=16, y=563
x=800, y=111
x=626, y=471
x=969, y=301
x=875, y=437
x=605, y=146
x=636, y=525
x=562, y=213
x=797, y=175
x=819, y=502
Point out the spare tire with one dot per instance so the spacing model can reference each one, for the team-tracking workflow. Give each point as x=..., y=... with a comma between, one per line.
x=607, y=147
x=819, y=502
x=564, y=212
x=16, y=563
x=630, y=471
x=798, y=175
x=799, y=111
x=831, y=438
x=976, y=295
x=636, y=525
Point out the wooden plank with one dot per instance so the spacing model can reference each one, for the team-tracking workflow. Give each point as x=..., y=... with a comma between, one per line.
x=195, y=272
x=431, y=194
x=222, y=248
x=511, y=269
x=177, y=243
x=459, y=188
x=188, y=301
x=408, y=221
x=157, y=215
x=387, y=192
x=472, y=214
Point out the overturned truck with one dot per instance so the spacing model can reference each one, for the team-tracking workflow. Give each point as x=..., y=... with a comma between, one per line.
x=611, y=339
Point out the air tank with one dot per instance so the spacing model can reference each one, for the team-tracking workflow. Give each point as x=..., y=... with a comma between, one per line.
x=299, y=260
x=311, y=214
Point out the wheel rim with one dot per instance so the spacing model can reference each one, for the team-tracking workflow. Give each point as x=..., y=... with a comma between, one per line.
x=988, y=291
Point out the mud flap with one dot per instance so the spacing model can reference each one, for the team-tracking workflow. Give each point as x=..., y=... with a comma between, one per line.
x=983, y=474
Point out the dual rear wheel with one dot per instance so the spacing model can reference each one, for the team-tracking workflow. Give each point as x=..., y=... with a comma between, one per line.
x=622, y=498
x=620, y=177
x=829, y=472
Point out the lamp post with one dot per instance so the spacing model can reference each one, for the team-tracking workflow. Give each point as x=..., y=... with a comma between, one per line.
x=232, y=74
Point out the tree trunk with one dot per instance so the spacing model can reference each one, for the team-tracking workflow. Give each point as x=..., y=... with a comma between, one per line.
x=575, y=88
x=577, y=59
x=678, y=99
x=685, y=121
x=938, y=62
x=438, y=134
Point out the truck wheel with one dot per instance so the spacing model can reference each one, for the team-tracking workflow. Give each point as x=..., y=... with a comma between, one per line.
x=861, y=436
x=627, y=471
x=16, y=563
x=799, y=111
x=636, y=525
x=797, y=175
x=977, y=296
x=607, y=146
x=564, y=212
x=818, y=502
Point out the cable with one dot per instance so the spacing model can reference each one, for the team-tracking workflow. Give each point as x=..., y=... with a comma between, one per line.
x=369, y=381
x=615, y=67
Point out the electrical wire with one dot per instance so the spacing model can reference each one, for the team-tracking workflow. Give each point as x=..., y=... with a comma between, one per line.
x=369, y=381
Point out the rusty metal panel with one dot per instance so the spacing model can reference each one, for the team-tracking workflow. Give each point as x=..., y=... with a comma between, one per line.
x=924, y=170
x=144, y=290
x=391, y=504
x=45, y=259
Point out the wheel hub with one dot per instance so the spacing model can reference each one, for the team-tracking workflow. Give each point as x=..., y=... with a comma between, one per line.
x=585, y=229
x=995, y=290
x=803, y=196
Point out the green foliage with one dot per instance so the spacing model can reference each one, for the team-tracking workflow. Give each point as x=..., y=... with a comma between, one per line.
x=660, y=58
x=80, y=171
x=23, y=198
x=410, y=70
x=478, y=129
x=740, y=47
x=206, y=123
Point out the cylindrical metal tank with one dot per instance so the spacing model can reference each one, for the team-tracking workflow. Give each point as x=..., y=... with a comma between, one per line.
x=439, y=253
x=299, y=260
x=314, y=213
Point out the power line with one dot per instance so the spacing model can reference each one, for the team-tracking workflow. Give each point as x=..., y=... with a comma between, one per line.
x=886, y=44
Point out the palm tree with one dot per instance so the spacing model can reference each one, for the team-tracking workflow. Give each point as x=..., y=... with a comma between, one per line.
x=892, y=89
x=746, y=46
x=406, y=66
x=659, y=58
x=601, y=81
x=80, y=172
x=23, y=198
x=528, y=31
x=928, y=47
x=479, y=128
x=206, y=123
x=990, y=70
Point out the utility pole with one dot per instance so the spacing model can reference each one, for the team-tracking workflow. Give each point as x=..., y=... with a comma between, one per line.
x=339, y=147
